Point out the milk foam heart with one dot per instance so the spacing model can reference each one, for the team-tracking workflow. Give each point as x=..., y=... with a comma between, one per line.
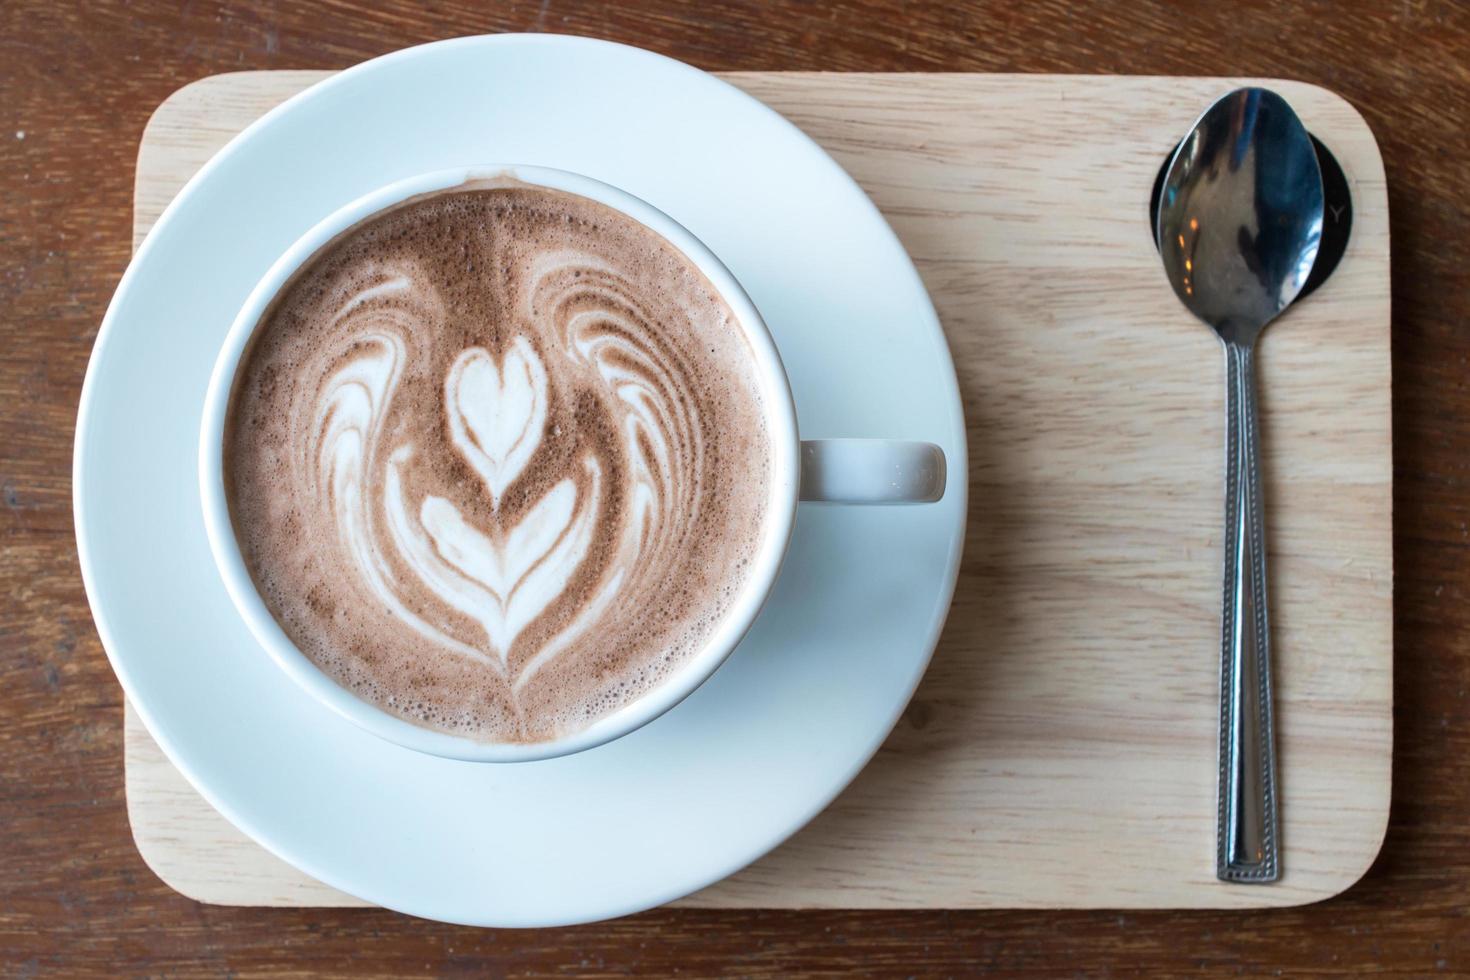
x=497, y=460
x=496, y=416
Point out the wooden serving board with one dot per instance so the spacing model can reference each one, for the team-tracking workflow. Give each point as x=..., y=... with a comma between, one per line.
x=1061, y=750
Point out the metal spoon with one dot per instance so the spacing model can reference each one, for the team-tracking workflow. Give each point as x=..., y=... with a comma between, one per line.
x=1240, y=219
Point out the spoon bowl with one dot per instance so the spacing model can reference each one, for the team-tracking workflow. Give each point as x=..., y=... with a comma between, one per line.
x=1240, y=215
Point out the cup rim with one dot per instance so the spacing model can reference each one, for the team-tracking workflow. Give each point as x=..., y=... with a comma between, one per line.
x=687, y=677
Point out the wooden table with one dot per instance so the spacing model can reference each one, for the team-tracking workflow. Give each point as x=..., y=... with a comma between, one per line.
x=77, y=83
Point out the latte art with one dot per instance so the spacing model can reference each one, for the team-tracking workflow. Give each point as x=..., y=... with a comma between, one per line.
x=497, y=461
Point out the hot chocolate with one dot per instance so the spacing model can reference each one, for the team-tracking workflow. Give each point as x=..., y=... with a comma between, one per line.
x=497, y=460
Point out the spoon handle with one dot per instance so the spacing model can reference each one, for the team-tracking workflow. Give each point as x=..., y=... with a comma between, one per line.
x=1248, y=831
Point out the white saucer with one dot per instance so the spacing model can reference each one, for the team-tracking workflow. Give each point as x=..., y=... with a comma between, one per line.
x=749, y=758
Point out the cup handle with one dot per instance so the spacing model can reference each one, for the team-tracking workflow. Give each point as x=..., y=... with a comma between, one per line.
x=871, y=471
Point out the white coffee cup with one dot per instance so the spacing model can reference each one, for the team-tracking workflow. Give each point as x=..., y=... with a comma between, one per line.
x=859, y=471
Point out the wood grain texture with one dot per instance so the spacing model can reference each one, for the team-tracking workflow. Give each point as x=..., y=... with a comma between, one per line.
x=80, y=81
x=1060, y=750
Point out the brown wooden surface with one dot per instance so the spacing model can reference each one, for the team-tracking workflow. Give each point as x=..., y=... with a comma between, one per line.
x=77, y=83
